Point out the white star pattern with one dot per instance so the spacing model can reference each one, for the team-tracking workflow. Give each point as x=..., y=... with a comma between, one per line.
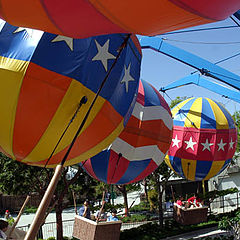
x=127, y=77
x=176, y=141
x=190, y=143
x=207, y=145
x=28, y=30
x=221, y=145
x=231, y=144
x=68, y=40
x=103, y=55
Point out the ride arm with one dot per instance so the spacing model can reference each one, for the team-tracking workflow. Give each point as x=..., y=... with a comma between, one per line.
x=205, y=67
x=198, y=80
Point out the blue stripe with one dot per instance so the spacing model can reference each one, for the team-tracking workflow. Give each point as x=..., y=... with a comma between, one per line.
x=16, y=45
x=202, y=169
x=226, y=163
x=207, y=116
x=229, y=118
x=176, y=164
x=150, y=96
x=135, y=168
x=180, y=116
x=100, y=165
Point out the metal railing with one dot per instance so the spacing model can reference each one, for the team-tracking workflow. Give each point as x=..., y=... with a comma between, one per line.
x=221, y=205
x=49, y=228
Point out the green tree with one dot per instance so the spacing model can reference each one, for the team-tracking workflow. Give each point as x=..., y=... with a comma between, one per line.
x=157, y=183
x=236, y=117
x=176, y=101
x=231, y=224
x=19, y=179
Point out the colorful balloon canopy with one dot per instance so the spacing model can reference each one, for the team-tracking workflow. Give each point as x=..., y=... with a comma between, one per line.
x=204, y=139
x=43, y=79
x=142, y=145
x=85, y=18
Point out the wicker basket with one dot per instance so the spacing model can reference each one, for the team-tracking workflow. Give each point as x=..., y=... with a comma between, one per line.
x=85, y=229
x=190, y=215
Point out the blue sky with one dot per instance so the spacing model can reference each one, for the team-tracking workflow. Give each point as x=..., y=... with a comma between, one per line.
x=161, y=70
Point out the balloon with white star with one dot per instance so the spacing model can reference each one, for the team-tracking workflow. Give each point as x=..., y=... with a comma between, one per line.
x=45, y=76
x=142, y=145
x=204, y=139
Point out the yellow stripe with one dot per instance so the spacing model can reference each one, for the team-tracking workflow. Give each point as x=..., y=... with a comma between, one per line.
x=167, y=161
x=221, y=120
x=180, y=105
x=189, y=168
x=93, y=151
x=214, y=170
x=194, y=114
x=12, y=72
x=61, y=118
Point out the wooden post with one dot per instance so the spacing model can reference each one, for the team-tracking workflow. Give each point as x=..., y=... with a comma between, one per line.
x=74, y=202
x=18, y=216
x=40, y=214
x=203, y=186
x=173, y=196
x=103, y=203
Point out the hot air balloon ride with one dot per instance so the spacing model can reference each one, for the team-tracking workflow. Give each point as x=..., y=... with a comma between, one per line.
x=142, y=145
x=204, y=139
x=53, y=80
x=81, y=19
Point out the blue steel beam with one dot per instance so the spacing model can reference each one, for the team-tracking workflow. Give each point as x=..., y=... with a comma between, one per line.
x=198, y=80
x=203, y=66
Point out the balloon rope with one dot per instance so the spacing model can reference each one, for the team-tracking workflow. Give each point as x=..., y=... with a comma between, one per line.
x=83, y=101
x=123, y=45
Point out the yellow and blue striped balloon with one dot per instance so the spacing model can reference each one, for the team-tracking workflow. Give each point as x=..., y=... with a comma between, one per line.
x=204, y=139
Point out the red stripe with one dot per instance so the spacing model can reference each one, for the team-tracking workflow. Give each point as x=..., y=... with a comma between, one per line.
x=140, y=96
x=116, y=169
x=136, y=43
x=82, y=16
x=142, y=133
x=88, y=166
x=200, y=135
x=41, y=93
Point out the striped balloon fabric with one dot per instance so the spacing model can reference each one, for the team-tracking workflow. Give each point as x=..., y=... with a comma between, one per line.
x=86, y=18
x=204, y=139
x=142, y=145
x=43, y=79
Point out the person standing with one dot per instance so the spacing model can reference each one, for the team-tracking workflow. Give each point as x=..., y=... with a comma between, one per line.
x=84, y=211
x=113, y=217
x=3, y=229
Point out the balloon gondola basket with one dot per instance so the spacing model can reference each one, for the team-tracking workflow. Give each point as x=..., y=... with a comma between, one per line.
x=190, y=215
x=85, y=229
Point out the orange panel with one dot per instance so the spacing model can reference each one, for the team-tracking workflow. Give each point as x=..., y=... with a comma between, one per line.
x=150, y=133
x=19, y=12
x=152, y=18
x=98, y=130
x=38, y=101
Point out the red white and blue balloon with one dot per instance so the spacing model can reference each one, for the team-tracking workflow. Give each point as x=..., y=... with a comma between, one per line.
x=142, y=145
x=204, y=139
x=43, y=78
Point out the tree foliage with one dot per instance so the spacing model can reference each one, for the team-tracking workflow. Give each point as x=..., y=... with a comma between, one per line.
x=177, y=100
x=236, y=117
